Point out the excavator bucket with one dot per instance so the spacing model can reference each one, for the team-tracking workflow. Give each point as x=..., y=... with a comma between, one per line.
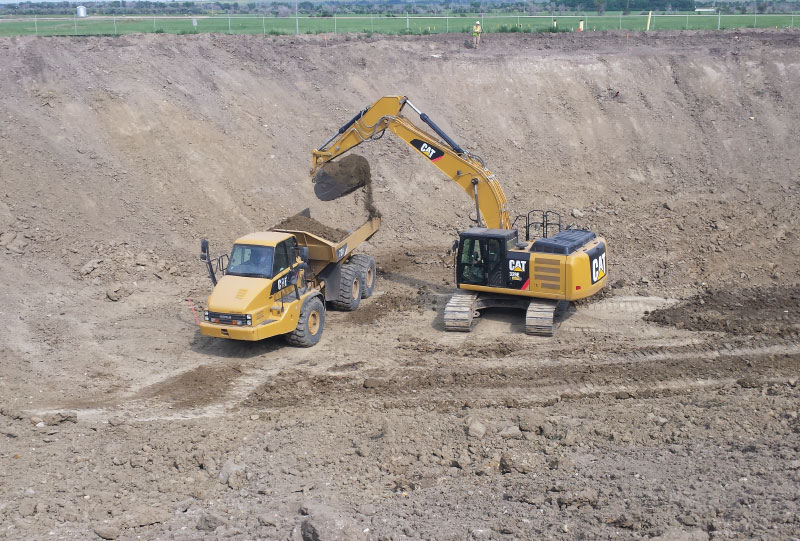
x=339, y=178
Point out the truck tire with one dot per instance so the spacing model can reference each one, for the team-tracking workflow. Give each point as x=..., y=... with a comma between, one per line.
x=350, y=288
x=309, y=325
x=366, y=264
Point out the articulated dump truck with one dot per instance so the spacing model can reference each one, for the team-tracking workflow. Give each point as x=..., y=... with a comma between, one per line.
x=279, y=282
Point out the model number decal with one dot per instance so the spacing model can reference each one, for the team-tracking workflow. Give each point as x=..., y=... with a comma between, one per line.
x=340, y=253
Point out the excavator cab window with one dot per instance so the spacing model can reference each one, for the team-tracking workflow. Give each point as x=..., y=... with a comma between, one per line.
x=471, y=267
x=480, y=262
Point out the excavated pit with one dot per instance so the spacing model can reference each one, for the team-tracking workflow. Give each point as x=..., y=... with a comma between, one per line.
x=119, y=153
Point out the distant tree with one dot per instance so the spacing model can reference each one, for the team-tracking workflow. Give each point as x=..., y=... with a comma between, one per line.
x=600, y=6
x=533, y=8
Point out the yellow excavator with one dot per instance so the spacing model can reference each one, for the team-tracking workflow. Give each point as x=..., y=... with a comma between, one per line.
x=493, y=267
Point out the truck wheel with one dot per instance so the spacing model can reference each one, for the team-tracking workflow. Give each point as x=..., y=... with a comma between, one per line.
x=366, y=264
x=309, y=324
x=350, y=288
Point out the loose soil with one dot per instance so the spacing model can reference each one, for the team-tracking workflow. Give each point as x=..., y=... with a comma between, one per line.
x=665, y=408
x=299, y=222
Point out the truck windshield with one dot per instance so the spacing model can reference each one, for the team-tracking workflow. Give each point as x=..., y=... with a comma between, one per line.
x=250, y=260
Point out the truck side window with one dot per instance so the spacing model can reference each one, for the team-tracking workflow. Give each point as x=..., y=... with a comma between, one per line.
x=281, y=258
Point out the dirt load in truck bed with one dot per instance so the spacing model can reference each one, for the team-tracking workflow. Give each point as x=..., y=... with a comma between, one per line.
x=304, y=223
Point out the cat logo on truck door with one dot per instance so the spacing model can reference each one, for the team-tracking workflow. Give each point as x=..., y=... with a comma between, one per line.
x=597, y=263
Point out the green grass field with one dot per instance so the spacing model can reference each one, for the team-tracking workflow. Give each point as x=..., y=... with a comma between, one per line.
x=68, y=26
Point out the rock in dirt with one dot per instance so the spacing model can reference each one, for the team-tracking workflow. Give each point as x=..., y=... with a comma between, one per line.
x=28, y=507
x=105, y=531
x=511, y=432
x=208, y=522
x=232, y=474
x=52, y=419
x=323, y=523
x=576, y=213
x=373, y=383
x=90, y=266
x=476, y=429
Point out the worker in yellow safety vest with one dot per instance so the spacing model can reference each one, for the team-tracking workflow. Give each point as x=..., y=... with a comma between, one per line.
x=476, y=34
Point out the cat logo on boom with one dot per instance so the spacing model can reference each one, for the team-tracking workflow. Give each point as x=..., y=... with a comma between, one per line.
x=429, y=151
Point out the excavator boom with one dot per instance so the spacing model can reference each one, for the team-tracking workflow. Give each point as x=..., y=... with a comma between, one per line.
x=464, y=168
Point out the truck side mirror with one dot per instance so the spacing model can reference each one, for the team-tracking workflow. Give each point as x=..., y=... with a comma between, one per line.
x=455, y=245
x=304, y=254
x=204, y=250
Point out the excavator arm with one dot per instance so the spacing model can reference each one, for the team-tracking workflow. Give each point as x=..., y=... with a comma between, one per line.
x=463, y=167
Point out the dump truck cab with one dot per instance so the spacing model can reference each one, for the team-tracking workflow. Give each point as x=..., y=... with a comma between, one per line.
x=258, y=289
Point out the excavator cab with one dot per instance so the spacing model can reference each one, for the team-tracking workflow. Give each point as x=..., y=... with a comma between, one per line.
x=482, y=256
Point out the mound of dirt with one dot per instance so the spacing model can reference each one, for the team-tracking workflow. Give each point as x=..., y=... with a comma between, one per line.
x=771, y=310
x=304, y=223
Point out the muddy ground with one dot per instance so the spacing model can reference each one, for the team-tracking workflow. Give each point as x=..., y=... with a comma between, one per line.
x=666, y=407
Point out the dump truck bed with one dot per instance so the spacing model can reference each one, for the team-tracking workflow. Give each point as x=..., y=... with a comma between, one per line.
x=322, y=252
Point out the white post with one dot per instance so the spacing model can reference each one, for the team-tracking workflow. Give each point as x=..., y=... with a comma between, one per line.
x=447, y=23
x=620, y=20
x=687, y=21
x=406, y=20
x=296, y=20
x=372, y=22
x=36, y=24
x=264, y=24
x=154, y=22
x=334, y=23
x=719, y=19
x=755, y=20
x=229, y=23
x=115, y=25
x=75, y=21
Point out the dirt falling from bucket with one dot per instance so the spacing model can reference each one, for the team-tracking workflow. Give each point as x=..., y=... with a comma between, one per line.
x=339, y=178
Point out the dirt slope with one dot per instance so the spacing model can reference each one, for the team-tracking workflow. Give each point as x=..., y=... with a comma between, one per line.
x=118, y=155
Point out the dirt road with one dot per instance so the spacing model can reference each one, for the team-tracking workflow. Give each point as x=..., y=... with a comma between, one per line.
x=667, y=408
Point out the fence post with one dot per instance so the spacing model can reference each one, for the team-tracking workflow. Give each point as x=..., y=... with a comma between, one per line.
x=406, y=20
x=372, y=22
x=75, y=22
x=115, y=25
x=154, y=22
x=264, y=24
x=296, y=20
x=334, y=23
x=620, y=20
x=229, y=23
x=687, y=21
x=36, y=24
x=719, y=19
x=447, y=23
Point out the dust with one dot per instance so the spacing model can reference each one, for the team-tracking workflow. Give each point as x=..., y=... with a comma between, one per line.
x=304, y=223
x=759, y=310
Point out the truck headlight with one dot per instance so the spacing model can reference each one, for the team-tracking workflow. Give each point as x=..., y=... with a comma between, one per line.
x=249, y=319
x=205, y=315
